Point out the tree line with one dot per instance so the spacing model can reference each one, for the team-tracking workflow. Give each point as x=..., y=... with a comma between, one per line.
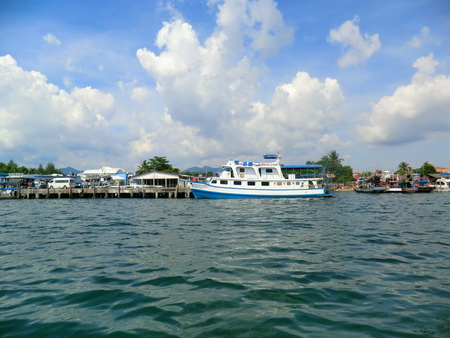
x=344, y=173
x=13, y=167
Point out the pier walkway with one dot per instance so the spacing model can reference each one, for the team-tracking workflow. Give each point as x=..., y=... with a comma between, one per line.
x=105, y=192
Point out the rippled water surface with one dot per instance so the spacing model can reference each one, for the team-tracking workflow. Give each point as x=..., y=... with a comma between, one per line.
x=351, y=266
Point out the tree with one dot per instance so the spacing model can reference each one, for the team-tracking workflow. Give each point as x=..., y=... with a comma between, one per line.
x=50, y=169
x=426, y=169
x=403, y=168
x=142, y=168
x=333, y=164
x=40, y=170
x=157, y=163
x=333, y=157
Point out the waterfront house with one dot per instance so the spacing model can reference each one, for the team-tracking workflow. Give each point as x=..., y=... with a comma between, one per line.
x=156, y=178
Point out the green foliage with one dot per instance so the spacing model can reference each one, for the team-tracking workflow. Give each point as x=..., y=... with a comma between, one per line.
x=426, y=169
x=333, y=164
x=199, y=173
x=403, y=168
x=12, y=167
x=157, y=163
x=365, y=174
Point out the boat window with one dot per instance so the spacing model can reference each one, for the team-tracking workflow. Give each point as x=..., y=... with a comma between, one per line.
x=242, y=170
x=269, y=170
x=237, y=182
x=288, y=183
x=223, y=182
x=264, y=183
x=278, y=183
x=250, y=183
x=213, y=181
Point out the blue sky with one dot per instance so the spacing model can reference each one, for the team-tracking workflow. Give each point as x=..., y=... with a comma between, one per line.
x=110, y=83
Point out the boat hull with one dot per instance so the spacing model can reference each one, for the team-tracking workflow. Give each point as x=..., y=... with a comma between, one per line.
x=204, y=190
x=375, y=190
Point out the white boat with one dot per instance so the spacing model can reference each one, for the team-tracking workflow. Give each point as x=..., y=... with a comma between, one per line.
x=263, y=180
x=442, y=184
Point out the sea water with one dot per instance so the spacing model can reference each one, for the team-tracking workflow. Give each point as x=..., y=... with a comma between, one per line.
x=356, y=265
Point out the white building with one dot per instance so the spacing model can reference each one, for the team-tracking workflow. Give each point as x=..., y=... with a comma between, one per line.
x=157, y=178
x=104, y=176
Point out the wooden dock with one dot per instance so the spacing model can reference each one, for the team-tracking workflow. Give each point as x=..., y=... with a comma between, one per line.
x=105, y=192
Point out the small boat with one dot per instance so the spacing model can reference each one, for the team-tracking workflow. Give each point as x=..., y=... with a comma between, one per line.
x=423, y=185
x=371, y=185
x=391, y=182
x=442, y=184
x=240, y=179
x=409, y=189
x=372, y=190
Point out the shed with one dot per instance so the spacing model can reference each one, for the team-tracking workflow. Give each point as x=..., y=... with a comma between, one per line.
x=157, y=178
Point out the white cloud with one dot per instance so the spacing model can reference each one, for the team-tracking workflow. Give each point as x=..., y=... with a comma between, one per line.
x=209, y=89
x=300, y=114
x=415, y=112
x=41, y=120
x=51, y=39
x=418, y=40
x=215, y=81
x=203, y=106
x=358, y=47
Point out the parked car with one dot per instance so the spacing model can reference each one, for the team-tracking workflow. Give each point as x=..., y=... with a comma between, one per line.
x=58, y=183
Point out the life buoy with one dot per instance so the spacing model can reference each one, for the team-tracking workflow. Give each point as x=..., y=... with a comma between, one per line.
x=241, y=175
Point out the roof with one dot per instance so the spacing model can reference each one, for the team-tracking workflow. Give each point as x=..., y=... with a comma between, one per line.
x=155, y=175
x=302, y=166
x=104, y=171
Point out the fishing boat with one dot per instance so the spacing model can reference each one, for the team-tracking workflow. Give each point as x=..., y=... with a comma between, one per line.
x=371, y=185
x=268, y=179
x=443, y=184
x=391, y=182
x=423, y=184
x=370, y=189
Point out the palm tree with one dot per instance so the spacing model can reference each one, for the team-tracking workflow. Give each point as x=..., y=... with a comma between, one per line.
x=142, y=168
x=403, y=168
x=333, y=157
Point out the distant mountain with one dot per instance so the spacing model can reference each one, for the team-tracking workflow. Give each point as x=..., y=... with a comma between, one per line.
x=202, y=169
x=69, y=171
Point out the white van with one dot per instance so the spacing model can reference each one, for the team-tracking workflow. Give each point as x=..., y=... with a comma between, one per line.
x=58, y=183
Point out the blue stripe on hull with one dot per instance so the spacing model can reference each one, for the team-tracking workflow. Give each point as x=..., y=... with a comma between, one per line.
x=209, y=194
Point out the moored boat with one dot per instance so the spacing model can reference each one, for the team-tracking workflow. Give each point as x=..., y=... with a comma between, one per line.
x=371, y=190
x=442, y=184
x=240, y=179
x=423, y=185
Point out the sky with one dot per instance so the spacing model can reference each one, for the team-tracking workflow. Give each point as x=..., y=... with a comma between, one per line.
x=100, y=83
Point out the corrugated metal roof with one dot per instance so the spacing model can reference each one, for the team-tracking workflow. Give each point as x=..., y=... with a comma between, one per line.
x=155, y=175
